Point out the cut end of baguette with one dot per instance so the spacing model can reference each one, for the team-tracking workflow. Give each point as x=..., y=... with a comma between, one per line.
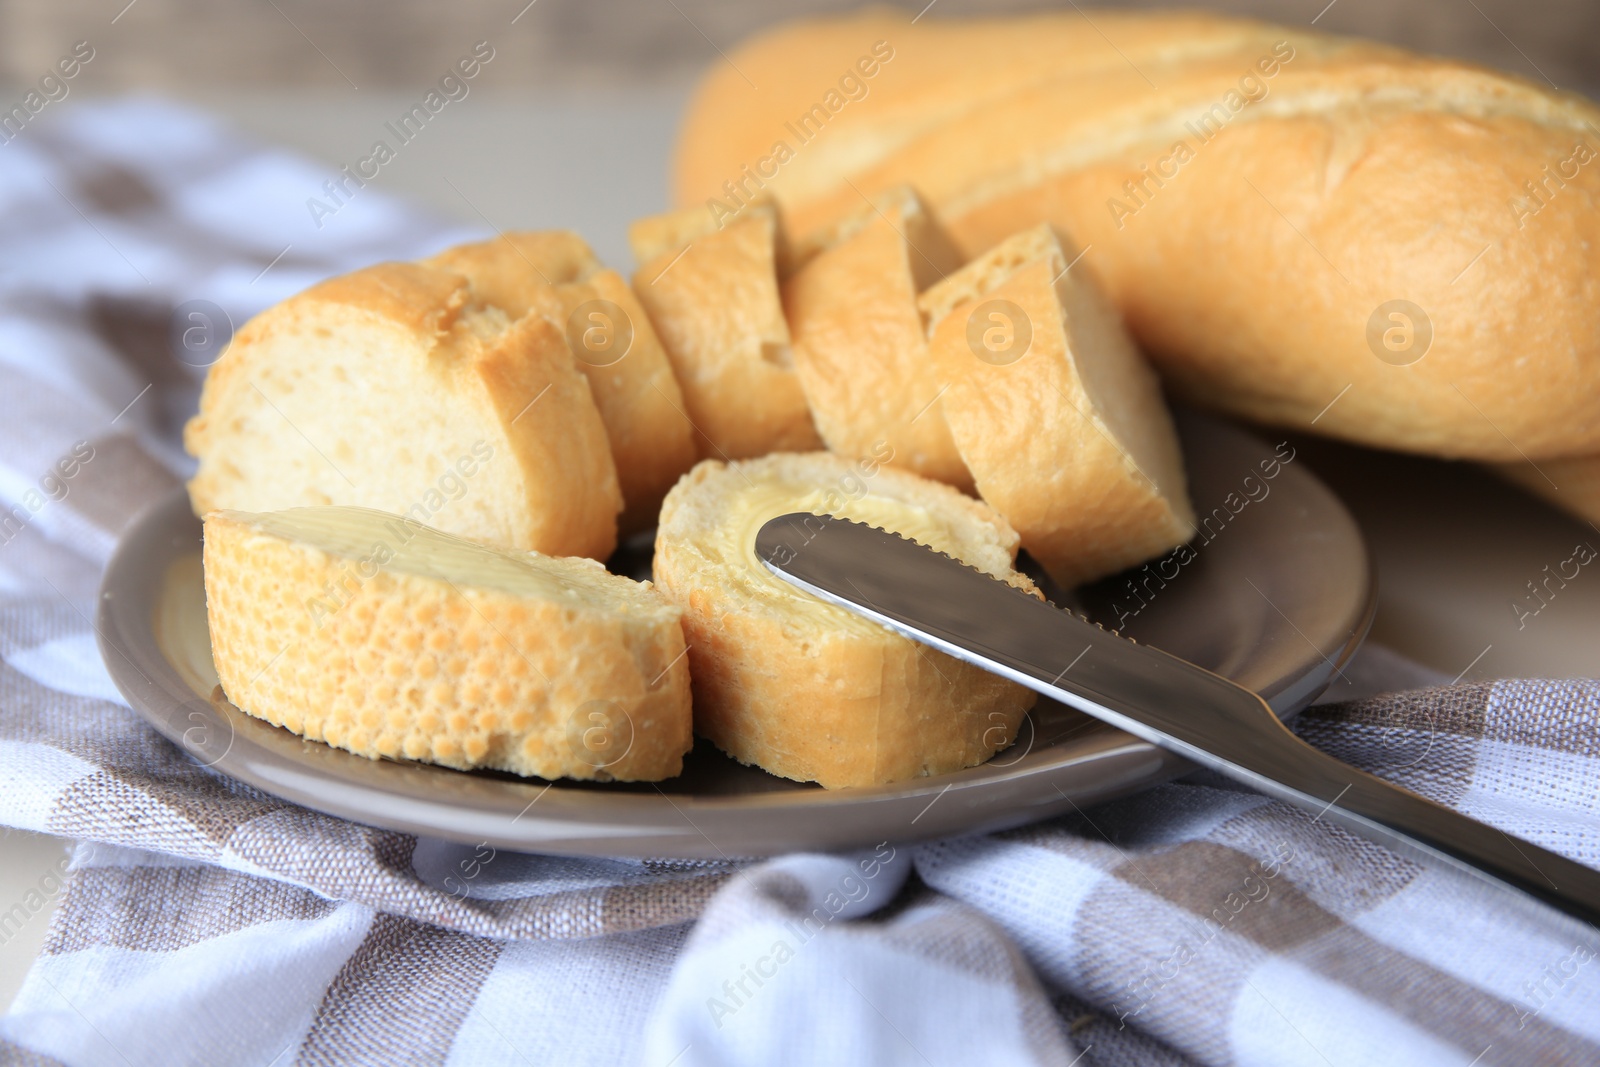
x=556, y=275
x=398, y=388
x=712, y=294
x=805, y=689
x=390, y=639
x=860, y=345
x=1069, y=438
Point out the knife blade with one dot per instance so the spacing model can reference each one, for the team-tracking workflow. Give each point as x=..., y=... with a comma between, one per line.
x=1169, y=702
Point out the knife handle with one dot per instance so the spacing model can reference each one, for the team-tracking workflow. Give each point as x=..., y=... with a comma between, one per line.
x=1258, y=750
x=1417, y=827
x=1155, y=696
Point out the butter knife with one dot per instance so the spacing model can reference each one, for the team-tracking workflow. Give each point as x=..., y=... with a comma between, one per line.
x=941, y=602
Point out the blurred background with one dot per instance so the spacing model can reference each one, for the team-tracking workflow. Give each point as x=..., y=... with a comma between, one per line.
x=571, y=123
x=196, y=46
x=325, y=76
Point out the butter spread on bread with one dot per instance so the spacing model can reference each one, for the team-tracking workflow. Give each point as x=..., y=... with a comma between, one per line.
x=387, y=638
x=805, y=689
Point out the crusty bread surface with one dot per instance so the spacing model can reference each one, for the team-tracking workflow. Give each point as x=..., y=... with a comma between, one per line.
x=397, y=388
x=860, y=344
x=388, y=639
x=712, y=292
x=1057, y=415
x=805, y=689
x=554, y=273
x=1259, y=202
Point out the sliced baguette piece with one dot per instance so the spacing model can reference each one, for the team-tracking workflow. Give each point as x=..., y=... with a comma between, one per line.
x=379, y=635
x=396, y=387
x=556, y=274
x=712, y=294
x=1055, y=412
x=806, y=689
x=859, y=340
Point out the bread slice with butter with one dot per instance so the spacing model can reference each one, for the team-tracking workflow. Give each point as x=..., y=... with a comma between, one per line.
x=1055, y=412
x=389, y=639
x=398, y=387
x=556, y=274
x=806, y=689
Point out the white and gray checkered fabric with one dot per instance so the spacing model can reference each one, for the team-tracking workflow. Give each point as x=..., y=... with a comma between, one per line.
x=202, y=922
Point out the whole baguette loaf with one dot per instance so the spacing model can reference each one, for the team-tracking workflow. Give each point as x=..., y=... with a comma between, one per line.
x=1300, y=229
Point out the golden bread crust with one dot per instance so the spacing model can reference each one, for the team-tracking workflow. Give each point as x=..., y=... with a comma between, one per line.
x=555, y=274
x=400, y=666
x=394, y=388
x=713, y=297
x=1061, y=422
x=558, y=447
x=860, y=343
x=1259, y=269
x=805, y=689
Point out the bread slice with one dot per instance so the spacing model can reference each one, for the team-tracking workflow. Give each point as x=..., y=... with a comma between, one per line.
x=806, y=689
x=398, y=388
x=379, y=635
x=1056, y=414
x=713, y=296
x=556, y=274
x=859, y=341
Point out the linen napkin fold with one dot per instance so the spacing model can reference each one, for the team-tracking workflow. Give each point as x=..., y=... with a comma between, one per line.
x=200, y=921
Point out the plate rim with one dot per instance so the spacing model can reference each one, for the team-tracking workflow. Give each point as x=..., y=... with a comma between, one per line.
x=582, y=817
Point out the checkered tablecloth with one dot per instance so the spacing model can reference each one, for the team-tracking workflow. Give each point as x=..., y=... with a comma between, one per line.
x=200, y=921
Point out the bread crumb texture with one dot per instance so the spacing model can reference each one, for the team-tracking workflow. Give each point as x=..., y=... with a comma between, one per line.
x=396, y=388
x=1057, y=415
x=808, y=690
x=402, y=651
x=713, y=297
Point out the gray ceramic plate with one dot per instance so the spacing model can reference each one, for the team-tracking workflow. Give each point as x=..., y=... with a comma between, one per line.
x=1276, y=593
